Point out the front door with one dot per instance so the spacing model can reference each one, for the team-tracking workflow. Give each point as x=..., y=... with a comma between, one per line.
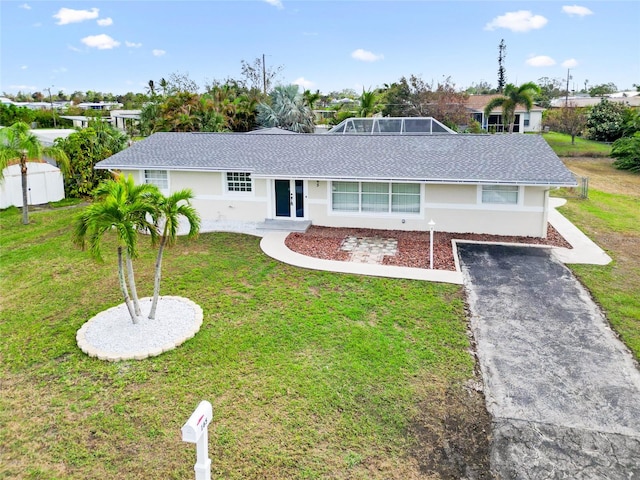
x=289, y=198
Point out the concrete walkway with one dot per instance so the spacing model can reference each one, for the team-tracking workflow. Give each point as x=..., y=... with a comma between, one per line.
x=563, y=391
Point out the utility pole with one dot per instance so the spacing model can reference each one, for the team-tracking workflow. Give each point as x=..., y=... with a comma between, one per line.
x=53, y=113
x=566, y=98
x=264, y=77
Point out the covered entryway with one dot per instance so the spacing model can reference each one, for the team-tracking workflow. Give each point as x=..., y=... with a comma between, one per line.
x=289, y=201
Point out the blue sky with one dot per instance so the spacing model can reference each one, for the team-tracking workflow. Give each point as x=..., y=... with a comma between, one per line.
x=118, y=46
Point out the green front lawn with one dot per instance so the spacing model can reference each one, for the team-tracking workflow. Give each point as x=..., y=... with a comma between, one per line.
x=311, y=374
x=613, y=222
x=561, y=144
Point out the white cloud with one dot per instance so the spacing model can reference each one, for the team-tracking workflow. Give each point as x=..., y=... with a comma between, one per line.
x=304, y=83
x=520, y=21
x=570, y=63
x=37, y=24
x=365, y=55
x=25, y=6
x=60, y=70
x=73, y=49
x=157, y=52
x=132, y=44
x=101, y=42
x=572, y=10
x=105, y=22
x=68, y=15
x=23, y=67
x=540, y=61
x=275, y=3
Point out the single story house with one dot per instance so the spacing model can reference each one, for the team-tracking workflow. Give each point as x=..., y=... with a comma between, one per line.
x=496, y=184
x=525, y=122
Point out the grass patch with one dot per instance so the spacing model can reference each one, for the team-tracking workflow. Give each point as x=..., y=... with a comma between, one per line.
x=311, y=374
x=561, y=144
x=613, y=222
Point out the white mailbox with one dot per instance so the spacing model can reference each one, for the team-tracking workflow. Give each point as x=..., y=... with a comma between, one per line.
x=195, y=431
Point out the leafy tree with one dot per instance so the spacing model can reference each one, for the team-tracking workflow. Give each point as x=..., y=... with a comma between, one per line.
x=513, y=96
x=169, y=211
x=626, y=151
x=569, y=119
x=480, y=88
x=550, y=88
x=84, y=149
x=286, y=110
x=605, y=121
x=630, y=122
x=603, y=89
x=124, y=208
x=18, y=144
x=10, y=114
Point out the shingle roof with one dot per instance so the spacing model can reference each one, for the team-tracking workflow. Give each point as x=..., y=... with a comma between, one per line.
x=521, y=159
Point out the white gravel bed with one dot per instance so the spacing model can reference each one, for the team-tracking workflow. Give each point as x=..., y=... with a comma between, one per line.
x=112, y=336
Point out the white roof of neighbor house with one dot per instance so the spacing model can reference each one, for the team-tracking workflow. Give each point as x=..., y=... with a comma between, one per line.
x=48, y=135
x=463, y=158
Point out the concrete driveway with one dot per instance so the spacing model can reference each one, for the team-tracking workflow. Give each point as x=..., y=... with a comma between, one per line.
x=563, y=391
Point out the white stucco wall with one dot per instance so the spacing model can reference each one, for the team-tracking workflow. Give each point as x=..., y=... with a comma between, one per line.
x=44, y=183
x=454, y=208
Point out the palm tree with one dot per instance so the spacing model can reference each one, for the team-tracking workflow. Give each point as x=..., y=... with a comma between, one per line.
x=513, y=96
x=164, y=85
x=287, y=110
x=17, y=143
x=123, y=207
x=311, y=98
x=169, y=211
x=368, y=103
x=152, y=88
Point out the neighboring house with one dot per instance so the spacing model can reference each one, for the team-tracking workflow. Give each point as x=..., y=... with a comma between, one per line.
x=125, y=120
x=44, y=184
x=99, y=105
x=629, y=101
x=390, y=126
x=524, y=121
x=497, y=184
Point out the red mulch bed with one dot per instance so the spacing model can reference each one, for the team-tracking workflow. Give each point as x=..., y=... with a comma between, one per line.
x=413, y=247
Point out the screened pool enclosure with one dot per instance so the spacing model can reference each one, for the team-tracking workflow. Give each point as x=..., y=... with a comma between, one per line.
x=391, y=126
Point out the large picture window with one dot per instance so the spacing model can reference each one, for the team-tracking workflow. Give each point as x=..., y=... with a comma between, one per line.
x=239, y=182
x=158, y=178
x=375, y=197
x=500, y=194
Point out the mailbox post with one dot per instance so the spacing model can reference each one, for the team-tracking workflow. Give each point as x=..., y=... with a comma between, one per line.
x=195, y=431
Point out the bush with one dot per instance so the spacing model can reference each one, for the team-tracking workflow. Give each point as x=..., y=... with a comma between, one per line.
x=626, y=151
x=605, y=121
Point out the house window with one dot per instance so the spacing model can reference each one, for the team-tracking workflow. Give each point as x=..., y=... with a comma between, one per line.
x=345, y=196
x=158, y=178
x=376, y=197
x=405, y=197
x=526, y=119
x=500, y=194
x=239, y=182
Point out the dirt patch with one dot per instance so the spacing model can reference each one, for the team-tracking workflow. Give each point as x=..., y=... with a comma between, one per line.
x=603, y=176
x=413, y=247
x=452, y=432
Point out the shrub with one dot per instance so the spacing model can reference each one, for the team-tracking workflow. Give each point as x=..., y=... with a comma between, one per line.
x=626, y=151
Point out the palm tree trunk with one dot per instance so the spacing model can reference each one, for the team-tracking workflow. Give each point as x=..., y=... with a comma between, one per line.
x=123, y=287
x=156, y=282
x=25, y=199
x=132, y=285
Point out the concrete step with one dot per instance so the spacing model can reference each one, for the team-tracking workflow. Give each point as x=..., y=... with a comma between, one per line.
x=284, y=225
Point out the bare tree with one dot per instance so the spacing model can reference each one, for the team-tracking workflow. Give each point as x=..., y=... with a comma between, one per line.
x=258, y=76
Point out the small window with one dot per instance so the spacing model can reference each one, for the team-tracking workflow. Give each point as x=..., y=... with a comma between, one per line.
x=405, y=197
x=157, y=178
x=500, y=194
x=239, y=182
x=345, y=196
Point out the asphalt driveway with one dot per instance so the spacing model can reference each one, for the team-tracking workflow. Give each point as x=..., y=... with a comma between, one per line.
x=563, y=391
